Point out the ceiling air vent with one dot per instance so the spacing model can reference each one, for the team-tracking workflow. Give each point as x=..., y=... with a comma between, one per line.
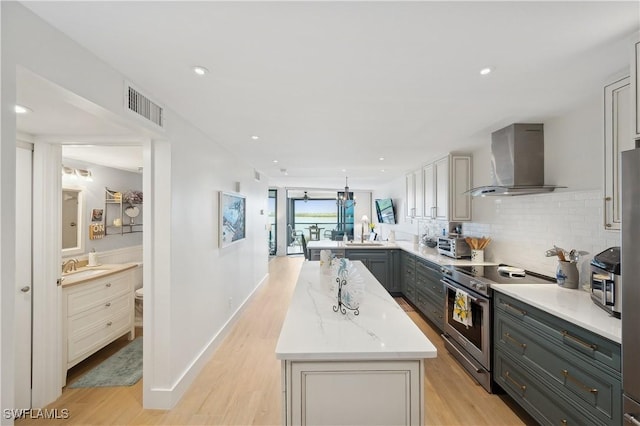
x=142, y=106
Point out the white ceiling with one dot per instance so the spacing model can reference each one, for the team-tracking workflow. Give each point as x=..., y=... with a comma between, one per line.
x=336, y=85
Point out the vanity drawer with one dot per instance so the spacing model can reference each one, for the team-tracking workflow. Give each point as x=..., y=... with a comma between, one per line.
x=93, y=338
x=88, y=319
x=88, y=296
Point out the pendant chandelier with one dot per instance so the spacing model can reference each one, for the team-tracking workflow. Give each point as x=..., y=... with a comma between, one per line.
x=342, y=199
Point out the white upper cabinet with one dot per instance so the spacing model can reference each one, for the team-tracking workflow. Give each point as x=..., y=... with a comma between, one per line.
x=635, y=87
x=414, y=194
x=445, y=183
x=617, y=138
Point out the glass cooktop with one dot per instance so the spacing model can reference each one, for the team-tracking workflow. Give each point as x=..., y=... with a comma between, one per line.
x=492, y=274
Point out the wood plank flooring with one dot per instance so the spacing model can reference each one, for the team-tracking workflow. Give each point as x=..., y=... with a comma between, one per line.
x=241, y=383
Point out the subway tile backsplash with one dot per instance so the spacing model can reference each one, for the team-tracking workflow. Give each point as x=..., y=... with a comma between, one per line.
x=522, y=228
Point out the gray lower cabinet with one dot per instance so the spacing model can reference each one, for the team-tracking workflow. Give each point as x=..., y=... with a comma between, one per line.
x=420, y=284
x=408, y=276
x=559, y=372
x=381, y=263
x=314, y=254
x=431, y=290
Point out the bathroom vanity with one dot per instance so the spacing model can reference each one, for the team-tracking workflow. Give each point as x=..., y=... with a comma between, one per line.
x=98, y=308
x=350, y=369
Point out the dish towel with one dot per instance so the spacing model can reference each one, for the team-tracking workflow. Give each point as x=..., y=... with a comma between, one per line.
x=462, y=309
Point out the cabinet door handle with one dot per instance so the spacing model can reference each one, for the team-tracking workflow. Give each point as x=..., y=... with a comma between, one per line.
x=512, y=308
x=588, y=346
x=584, y=387
x=109, y=324
x=523, y=388
x=107, y=304
x=510, y=337
x=108, y=284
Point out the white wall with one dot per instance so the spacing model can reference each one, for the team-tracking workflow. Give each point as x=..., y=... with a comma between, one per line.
x=192, y=279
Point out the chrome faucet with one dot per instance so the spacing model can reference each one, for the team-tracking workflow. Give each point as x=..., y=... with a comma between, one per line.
x=69, y=265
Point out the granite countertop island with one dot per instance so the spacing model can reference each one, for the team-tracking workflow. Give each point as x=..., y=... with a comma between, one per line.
x=346, y=368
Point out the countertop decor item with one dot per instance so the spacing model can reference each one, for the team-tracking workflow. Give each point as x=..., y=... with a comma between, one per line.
x=348, y=298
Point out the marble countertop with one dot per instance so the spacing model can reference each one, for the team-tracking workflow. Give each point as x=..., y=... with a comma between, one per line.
x=87, y=273
x=571, y=305
x=427, y=253
x=313, y=331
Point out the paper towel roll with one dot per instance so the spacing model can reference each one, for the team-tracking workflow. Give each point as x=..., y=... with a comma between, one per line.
x=93, y=259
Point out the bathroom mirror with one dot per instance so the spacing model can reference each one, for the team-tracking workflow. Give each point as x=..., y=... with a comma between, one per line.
x=72, y=223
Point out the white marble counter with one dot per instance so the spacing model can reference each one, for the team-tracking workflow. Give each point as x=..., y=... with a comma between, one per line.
x=430, y=254
x=88, y=273
x=571, y=305
x=313, y=331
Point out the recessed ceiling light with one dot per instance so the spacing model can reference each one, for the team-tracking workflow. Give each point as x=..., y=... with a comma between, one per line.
x=383, y=170
x=485, y=71
x=275, y=161
x=19, y=109
x=344, y=170
x=200, y=70
x=255, y=138
x=381, y=158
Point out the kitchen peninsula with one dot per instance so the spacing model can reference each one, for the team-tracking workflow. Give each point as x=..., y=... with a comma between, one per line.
x=350, y=369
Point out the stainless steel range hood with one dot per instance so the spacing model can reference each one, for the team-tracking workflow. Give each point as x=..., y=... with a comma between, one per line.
x=517, y=162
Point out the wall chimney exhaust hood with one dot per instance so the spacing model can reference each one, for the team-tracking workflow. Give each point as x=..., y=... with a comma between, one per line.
x=517, y=162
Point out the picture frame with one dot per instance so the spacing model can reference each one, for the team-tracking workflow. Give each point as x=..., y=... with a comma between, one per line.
x=96, y=215
x=232, y=218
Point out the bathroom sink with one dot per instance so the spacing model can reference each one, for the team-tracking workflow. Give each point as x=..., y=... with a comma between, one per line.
x=86, y=273
x=366, y=243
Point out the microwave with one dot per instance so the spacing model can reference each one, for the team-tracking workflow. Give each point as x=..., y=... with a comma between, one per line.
x=454, y=246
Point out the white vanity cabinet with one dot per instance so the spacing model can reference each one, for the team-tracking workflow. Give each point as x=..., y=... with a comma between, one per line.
x=96, y=312
x=445, y=182
x=617, y=138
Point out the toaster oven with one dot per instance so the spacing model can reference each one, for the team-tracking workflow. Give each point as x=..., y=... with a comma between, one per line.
x=454, y=246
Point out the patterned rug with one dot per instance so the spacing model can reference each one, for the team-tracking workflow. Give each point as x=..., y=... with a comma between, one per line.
x=124, y=368
x=404, y=304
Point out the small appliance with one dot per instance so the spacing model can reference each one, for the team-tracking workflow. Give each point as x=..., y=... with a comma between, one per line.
x=454, y=246
x=606, y=283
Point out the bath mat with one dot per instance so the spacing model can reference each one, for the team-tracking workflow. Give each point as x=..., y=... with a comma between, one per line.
x=124, y=368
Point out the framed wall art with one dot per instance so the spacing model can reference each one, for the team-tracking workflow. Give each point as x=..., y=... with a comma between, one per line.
x=232, y=216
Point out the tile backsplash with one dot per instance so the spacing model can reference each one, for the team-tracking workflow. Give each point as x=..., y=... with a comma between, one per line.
x=522, y=228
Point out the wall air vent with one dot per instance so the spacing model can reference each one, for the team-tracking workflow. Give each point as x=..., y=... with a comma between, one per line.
x=143, y=107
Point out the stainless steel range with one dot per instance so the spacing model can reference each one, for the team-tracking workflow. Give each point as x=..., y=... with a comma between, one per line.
x=471, y=345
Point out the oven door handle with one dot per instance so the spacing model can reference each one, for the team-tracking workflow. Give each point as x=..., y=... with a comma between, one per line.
x=454, y=287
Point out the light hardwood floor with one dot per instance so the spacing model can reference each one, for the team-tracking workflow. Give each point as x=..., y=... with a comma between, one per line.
x=241, y=384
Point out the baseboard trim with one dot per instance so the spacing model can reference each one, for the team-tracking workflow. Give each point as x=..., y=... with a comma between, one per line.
x=166, y=399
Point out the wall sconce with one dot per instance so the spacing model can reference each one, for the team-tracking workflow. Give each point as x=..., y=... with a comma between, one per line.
x=81, y=173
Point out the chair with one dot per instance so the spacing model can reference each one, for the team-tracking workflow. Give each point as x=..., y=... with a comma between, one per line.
x=304, y=247
x=294, y=236
x=314, y=233
x=328, y=234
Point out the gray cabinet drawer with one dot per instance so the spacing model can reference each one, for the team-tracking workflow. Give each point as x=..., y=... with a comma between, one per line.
x=562, y=369
x=432, y=309
x=589, y=346
x=534, y=396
